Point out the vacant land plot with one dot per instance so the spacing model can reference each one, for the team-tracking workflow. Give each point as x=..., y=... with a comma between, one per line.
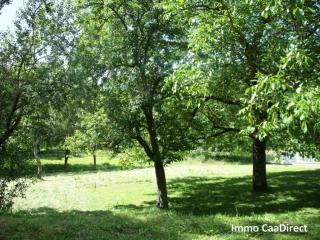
x=205, y=200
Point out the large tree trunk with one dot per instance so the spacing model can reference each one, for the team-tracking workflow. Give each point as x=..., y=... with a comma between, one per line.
x=155, y=155
x=36, y=156
x=66, y=157
x=259, y=179
x=162, y=198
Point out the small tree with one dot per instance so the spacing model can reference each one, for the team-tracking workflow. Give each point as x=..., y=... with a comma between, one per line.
x=91, y=133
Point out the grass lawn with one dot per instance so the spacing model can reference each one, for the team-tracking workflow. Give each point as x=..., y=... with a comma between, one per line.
x=206, y=198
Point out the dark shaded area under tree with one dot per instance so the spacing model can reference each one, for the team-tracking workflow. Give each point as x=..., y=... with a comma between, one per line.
x=232, y=196
x=195, y=197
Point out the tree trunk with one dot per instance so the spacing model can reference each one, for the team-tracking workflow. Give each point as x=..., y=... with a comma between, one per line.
x=259, y=179
x=66, y=157
x=155, y=155
x=162, y=198
x=12, y=122
x=94, y=159
x=36, y=156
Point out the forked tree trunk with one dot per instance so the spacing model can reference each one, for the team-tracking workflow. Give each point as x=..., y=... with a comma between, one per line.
x=36, y=156
x=259, y=179
x=162, y=198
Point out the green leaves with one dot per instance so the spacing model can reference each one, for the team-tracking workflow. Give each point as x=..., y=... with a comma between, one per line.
x=173, y=69
x=304, y=126
x=134, y=47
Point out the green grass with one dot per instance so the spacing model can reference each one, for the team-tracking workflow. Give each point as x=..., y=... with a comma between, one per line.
x=206, y=198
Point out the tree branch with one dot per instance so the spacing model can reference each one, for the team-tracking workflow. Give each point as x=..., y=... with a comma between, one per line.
x=118, y=15
x=10, y=130
x=145, y=145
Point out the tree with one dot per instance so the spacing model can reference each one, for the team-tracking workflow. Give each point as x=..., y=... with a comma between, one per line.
x=91, y=133
x=236, y=46
x=33, y=74
x=135, y=46
x=19, y=60
x=37, y=75
x=294, y=87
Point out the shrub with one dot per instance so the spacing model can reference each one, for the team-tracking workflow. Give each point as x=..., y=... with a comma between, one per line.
x=14, y=166
x=9, y=190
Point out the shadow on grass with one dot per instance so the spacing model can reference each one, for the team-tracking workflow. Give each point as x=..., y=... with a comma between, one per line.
x=290, y=191
x=73, y=169
x=47, y=223
x=208, y=156
x=78, y=168
x=200, y=207
x=202, y=196
x=54, y=155
x=55, y=165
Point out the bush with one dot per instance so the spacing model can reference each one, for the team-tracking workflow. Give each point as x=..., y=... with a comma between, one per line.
x=9, y=190
x=14, y=165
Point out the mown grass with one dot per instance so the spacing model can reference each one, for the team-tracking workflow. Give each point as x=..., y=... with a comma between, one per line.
x=53, y=163
x=206, y=198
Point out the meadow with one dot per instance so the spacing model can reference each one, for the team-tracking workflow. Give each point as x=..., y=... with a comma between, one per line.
x=207, y=197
